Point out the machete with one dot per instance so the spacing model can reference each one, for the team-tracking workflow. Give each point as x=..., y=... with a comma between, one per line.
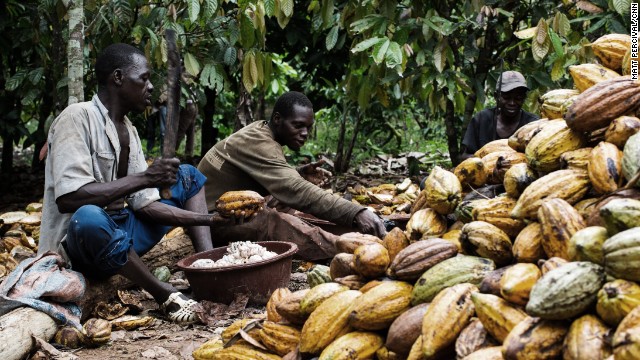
x=173, y=101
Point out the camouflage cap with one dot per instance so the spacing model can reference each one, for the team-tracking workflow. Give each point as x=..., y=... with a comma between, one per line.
x=512, y=80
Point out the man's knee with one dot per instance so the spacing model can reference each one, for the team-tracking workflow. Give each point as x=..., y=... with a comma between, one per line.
x=87, y=220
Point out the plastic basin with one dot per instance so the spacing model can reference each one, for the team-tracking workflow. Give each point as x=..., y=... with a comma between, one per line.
x=258, y=279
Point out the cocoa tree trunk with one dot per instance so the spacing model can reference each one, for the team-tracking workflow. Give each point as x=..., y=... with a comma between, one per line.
x=452, y=135
x=352, y=143
x=341, y=135
x=74, y=51
x=209, y=133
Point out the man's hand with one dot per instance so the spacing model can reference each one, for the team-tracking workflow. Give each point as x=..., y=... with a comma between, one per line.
x=369, y=223
x=314, y=174
x=162, y=172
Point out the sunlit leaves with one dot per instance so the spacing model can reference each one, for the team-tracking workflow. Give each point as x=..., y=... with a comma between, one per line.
x=621, y=6
x=191, y=64
x=332, y=38
x=526, y=33
x=380, y=50
x=193, y=9
x=365, y=44
x=209, y=8
x=541, y=43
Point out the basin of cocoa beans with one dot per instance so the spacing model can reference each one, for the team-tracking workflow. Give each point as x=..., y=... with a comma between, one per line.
x=258, y=279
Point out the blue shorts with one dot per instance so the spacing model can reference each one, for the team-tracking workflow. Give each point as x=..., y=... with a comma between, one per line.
x=98, y=242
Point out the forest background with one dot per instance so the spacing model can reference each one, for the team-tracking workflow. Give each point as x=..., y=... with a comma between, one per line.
x=385, y=76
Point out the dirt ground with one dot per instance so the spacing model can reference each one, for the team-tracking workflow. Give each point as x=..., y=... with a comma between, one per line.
x=169, y=341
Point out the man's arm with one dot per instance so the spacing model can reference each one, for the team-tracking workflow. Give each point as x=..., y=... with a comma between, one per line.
x=160, y=174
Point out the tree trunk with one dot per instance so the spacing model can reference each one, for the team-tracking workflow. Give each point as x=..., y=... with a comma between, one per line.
x=17, y=328
x=452, y=136
x=209, y=133
x=340, y=148
x=74, y=51
x=244, y=114
x=260, y=107
x=352, y=143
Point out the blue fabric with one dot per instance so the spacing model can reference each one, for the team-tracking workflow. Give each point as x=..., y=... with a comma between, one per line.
x=98, y=243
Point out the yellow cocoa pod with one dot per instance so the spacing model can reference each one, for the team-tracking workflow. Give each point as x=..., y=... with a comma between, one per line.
x=341, y=265
x=318, y=294
x=289, y=307
x=527, y=248
x=586, y=245
x=206, y=350
x=544, y=150
x=235, y=327
x=616, y=299
x=276, y=296
x=493, y=146
x=569, y=185
x=279, y=339
x=327, y=322
x=532, y=334
x=605, y=168
x=517, y=281
x=241, y=352
x=519, y=140
x=395, y=241
x=497, y=212
x=488, y=353
x=443, y=191
x=377, y=308
x=425, y=223
x=517, y=178
x=621, y=129
x=550, y=264
x=610, y=49
x=551, y=102
x=234, y=202
x=348, y=242
x=496, y=314
x=626, y=340
x=471, y=172
x=576, y=159
x=558, y=221
x=587, y=340
x=488, y=241
x=586, y=75
x=354, y=345
x=448, y=314
x=371, y=260
x=453, y=236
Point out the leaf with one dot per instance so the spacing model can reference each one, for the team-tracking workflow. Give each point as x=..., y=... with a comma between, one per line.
x=247, y=81
x=287, y=7
x=210, y=7
x=191, y=64
x=561, y=24
x=588, y=7
x=622, y=6
x=247, y=33
x=332, y=38
x=259, y=68
x=269, y=7
x=557, y=70
x=379, y=51
x=543, y=32
x=35, y=75
x=556, y=42
x=366, y=23
x=230, y=56
x=539, y=51
x=526, y=33
x=327, y=13
x=16, y=80
x=365, y=44
x=439, y=59
x=393, y=56
x=193, y=8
